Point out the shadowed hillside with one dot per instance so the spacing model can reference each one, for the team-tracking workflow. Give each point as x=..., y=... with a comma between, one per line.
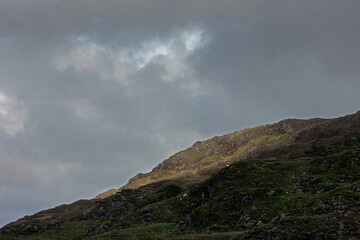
x=296, y=179
x=288, y=137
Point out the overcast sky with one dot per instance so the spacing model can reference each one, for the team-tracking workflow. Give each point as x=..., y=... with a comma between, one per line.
x=93, y=92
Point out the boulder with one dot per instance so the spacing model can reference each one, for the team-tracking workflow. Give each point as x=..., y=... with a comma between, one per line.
x=356, y=188
x=350, y=214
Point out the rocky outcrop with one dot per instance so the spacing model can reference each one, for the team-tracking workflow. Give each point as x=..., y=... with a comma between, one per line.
x=204, y=158
x=289, y=181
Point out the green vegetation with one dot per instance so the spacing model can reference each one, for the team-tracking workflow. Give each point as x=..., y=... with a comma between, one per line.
x=288, y=137
x=308, y=187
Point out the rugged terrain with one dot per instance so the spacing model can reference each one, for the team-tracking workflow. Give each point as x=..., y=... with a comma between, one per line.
x=290, y=136
x=296, y=179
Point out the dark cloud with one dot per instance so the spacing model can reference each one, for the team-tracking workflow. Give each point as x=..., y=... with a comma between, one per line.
x=93, y=92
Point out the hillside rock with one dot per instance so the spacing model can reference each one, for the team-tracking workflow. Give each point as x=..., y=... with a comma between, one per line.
x=203, y=158
x=297, y=179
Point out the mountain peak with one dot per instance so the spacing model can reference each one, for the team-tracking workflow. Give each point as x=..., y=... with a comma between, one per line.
x=295, y=179
x=204, y=158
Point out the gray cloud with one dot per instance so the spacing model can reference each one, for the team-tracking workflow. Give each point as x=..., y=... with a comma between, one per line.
x=93, y=92
x=12, y=115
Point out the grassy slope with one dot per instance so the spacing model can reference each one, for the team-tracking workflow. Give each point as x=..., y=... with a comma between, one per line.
x=314, y=195
x=289, y=136
x=301, y=193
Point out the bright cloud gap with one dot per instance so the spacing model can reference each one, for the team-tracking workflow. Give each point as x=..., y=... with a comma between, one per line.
x=123, y=64
x=13, y=115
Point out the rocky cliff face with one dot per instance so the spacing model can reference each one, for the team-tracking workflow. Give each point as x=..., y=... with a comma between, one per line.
x=287, y=137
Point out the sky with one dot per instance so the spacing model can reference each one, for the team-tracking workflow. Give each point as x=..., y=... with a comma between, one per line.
x=93, y=92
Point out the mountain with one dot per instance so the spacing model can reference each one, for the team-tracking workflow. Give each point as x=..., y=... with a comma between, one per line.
x=288, y=137
x=296, y=179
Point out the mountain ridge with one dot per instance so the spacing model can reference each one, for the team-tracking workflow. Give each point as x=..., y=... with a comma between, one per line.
x=204, y=158
x=295, y=179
